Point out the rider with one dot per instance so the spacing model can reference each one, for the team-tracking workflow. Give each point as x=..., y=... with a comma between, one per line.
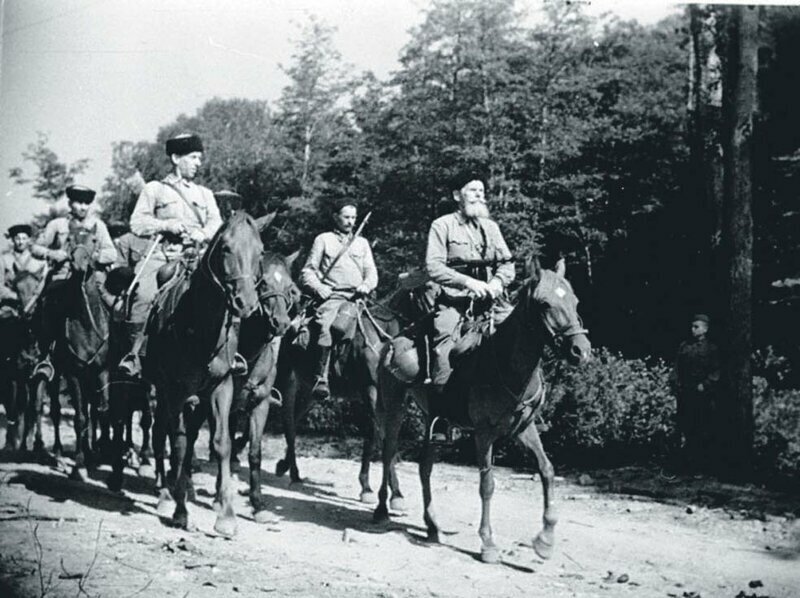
x=174, y=214
x=466, y=235
x=339, y=266
x=19, y=259
x=52, y=245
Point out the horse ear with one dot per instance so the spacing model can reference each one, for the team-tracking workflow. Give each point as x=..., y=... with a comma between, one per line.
x=264, y=221
x=533, y=269
x=561, y=267
x=291, y=259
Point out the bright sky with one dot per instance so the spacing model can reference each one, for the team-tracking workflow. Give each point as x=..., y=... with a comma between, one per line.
x=90, y=72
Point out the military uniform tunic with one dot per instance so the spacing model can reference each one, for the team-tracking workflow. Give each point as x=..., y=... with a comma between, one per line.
x=170, y=200
x=354, y=268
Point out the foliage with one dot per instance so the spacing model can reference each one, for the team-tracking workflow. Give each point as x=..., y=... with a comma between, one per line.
x=777, y=432
x=611, y=408
x=51, y=176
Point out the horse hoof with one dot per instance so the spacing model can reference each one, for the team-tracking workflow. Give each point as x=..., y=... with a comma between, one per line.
x=133, y=460
x=181, y=521
x=146, y=471
x=165, y=504
x=398, y=504
x=225, y=526
x=264, y=516
x=369, y=498
x=114, y=483
x=38, y=446
x=543, y=547
x=380, y=515
x=490, y=555
x=79, y=474
x=281, y=467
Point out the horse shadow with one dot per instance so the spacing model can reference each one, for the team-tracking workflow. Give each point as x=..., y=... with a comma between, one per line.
x=60, y=489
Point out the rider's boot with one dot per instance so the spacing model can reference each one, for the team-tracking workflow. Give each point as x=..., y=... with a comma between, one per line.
x=321, y=389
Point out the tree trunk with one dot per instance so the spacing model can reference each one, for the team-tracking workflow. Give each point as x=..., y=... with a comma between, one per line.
x=739, y=103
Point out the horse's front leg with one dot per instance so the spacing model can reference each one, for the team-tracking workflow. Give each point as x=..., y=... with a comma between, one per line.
x=118, y=413
x=291, y=416
x=388, y=421
x=483, y=447
x=425, y=468
x=258, y=419
x=100, y=413
x=161, y=426
x=370, y=397
x=81, y=422
x=221, y=399
x=52, y=390
x=545, y=539
x=180, y=516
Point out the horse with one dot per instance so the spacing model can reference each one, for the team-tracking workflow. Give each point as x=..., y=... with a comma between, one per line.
x=259, y=343
x=18, y=355
x=496, y=389
x=354, y=370
x=192, y=338
x=81, y=352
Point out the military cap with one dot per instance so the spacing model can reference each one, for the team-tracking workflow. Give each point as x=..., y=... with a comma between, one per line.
x=184, y=144
x=700, y=318
x=20, y=228
x=467, y=175
x=80, y=194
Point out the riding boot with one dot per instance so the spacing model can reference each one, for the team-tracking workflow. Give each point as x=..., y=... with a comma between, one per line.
x=321, y=389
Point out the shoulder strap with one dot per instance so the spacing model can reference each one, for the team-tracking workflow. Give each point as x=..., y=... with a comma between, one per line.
x=192, y=207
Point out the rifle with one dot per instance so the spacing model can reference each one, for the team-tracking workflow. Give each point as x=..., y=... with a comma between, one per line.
x=461, y=263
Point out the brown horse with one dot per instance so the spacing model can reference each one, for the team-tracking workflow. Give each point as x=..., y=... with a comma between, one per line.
x=259, y=343
x=18, y=355
x=81, y=352
x=192, y=339
x=354, y=371
x=496, y=390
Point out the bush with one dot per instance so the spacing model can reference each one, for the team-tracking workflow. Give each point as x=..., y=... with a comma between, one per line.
x=777, y=432
x=609, y=409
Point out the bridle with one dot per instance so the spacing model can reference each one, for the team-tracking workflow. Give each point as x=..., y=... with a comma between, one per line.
x=557, y=335
x=205, y=268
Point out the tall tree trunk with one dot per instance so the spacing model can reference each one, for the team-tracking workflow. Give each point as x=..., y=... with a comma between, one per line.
x=739, y=103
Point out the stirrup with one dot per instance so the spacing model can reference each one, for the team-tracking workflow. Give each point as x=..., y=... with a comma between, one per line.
x=44, y=369
x=321, y=389
x=239, y=365
x=444, y=434
x=130, y=366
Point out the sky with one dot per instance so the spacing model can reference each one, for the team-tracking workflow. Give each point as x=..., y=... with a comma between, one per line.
x=91, y=72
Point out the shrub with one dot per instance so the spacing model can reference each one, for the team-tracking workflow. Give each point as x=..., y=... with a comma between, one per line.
x=609, y=408
x=777, y=432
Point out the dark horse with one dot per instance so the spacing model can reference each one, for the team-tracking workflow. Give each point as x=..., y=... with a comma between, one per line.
x=81, y=351
x=354, y=370
x=496, y=389
x=192, y=339
x=259, y=343
x=18, y=355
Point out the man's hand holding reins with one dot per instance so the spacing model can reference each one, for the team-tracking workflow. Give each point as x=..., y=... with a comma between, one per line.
x=478, y=288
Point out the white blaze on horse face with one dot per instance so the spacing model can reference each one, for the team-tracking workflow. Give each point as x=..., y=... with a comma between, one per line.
x=560, y=292
x=277, y=276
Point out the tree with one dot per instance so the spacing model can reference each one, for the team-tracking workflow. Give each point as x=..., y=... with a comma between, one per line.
x=740, y=72
x=51, y=176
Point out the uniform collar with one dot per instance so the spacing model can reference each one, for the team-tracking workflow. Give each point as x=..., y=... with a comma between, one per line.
x=174, y=179
x=461, y=219
x=341, y=235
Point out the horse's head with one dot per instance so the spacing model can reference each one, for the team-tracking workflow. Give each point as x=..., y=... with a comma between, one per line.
x=81, y=246
x=550, y=298
x=232, y=261
x=277, y=293
x=26, y=285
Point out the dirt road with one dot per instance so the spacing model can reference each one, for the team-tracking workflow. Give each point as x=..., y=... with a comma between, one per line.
x=64, y=538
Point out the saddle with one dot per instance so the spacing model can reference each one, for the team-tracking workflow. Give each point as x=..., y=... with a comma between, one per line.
x=170, y=291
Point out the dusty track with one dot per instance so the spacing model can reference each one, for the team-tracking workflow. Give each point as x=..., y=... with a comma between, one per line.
x=323, y=542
